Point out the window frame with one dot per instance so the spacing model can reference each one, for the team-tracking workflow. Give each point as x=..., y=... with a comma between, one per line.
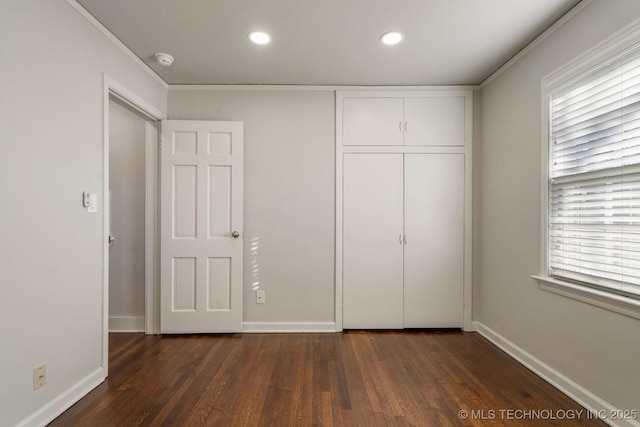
x=611, y=49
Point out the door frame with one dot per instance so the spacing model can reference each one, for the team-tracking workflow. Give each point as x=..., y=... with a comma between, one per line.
x=113, y=89
x=467, y=150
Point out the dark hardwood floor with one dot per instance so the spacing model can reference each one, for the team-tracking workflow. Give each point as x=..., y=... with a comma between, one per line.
x=373, y=378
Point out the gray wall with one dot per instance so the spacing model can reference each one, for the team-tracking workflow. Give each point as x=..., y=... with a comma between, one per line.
x=289, y=195
x=127, y=159
x=596, y=348
x=51, y=69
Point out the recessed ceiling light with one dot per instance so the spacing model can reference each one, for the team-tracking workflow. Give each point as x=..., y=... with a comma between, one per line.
x=259, y=37
x=392, y=37
x=164, y=59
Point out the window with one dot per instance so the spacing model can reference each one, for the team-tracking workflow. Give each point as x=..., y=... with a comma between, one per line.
x=593, y=223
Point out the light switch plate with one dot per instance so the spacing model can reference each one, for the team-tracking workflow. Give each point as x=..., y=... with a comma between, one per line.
x=93, y=203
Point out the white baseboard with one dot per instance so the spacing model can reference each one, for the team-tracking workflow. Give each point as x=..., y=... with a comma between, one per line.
x=64, y=401
x=572, y=389
x=288, y=327
x=126, y=324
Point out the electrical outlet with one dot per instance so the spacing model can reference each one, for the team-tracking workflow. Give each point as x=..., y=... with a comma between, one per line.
x=39, y=376
x=260, y=296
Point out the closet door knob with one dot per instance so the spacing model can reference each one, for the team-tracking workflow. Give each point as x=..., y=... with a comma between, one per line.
x=235, y=234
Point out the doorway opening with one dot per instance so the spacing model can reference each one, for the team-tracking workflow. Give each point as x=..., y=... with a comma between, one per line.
x=127, y=217
x=130, y=233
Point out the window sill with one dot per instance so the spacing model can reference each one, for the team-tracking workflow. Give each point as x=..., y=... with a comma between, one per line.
x=618, y=303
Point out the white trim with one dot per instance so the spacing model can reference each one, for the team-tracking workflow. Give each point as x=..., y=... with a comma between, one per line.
x=400, y=149
x=105, y=223
x=339, y=214
x=443, y=91
x=528, y=48
x=391, y=92
x=544, y=180
x=64, y=401
x=288, y=327
x=560, y=381
x=130, y=98
x=126, y=324
x=325, y=88
x=608, y=50
x=89, y=17
x=607, y=300
x=111, y=87
x=152, y=231
x=467, y=314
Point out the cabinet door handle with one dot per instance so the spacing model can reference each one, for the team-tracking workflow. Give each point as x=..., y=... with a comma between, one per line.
x=400, y=126
x=400, y=238
x=405, y=126
x=405, y=239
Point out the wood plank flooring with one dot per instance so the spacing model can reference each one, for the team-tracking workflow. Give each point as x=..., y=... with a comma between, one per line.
x=373, y=378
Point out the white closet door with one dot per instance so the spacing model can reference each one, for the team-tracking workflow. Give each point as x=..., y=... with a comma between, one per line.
x=372, y=247
x=372, y=121
x=434, y=121
x=434, y=250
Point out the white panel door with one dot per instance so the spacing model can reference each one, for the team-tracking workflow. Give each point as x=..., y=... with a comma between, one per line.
x=372, y=241
x=372, y=121
x=434, y=248
x=201, y=226
x=434, y=121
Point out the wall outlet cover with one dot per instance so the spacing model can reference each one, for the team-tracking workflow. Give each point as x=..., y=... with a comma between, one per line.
x=39, y=376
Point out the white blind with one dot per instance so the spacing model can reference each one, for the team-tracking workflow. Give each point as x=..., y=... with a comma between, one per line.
x=594, y=185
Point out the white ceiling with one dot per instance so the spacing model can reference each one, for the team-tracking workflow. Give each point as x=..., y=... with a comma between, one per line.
x=328, y=42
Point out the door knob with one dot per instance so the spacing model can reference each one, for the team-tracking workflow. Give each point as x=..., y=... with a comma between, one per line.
x=235, y=234
x=111, y=239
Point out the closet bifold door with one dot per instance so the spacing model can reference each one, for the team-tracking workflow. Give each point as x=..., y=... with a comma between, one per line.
x=434, y=250
x=372, y=241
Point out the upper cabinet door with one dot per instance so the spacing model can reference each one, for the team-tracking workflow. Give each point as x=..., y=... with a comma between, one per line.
x=372, y=121
x=434, y=121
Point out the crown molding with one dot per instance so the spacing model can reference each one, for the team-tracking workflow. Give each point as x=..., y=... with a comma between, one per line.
x=327, y=88
x=89, y=17
x=528, y=48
